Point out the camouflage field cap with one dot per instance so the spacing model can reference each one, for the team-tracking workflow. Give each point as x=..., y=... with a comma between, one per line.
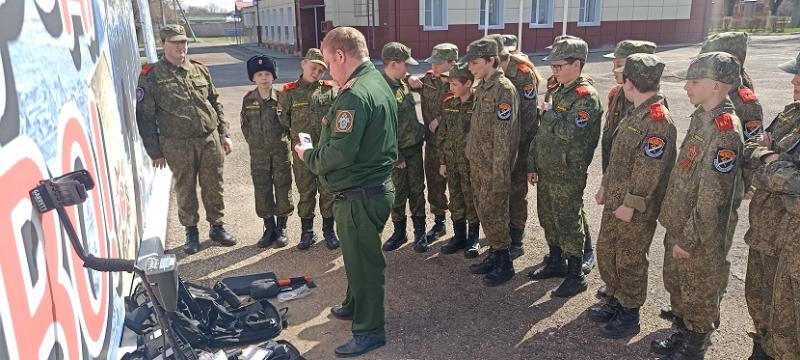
x=627, y=48
x=443, y=53
x=568, y=48
x=717, y=66
x=173, y=33
x=644, y=69
x=791, y=66
x=314, y=55
x=734, y=43
x=479, y=48
x=395, y=51
x=510, y=42
x=501, y=48
x=561, y=37
x=461, y=70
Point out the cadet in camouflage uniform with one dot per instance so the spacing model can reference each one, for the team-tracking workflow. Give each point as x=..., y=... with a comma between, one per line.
x=270, y=166
x=491, y=148
x=302, y=105
x=181, y=123
x=451, y=141
x=559, y=157
x=635, y=180
x=699, y=210
x=408, y=175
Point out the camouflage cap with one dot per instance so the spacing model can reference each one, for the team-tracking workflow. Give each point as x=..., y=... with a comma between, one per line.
x=461, y=70
x=314, y=55
x=501, y=48
x=479, y=48
x=568, y=48
x=644, y=69
x=510, y=42
x=559, y=38
x=717, y=66
x=395, y=51
x=627, y=48
x=443, y=53
x=734, y=43
x=791, y=66
x=173, y=33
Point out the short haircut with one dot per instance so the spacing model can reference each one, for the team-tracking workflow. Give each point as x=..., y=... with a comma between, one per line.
x=463, y=79
x=572, y=60
x=489, y=58
x=347, y=39
x=640, y=87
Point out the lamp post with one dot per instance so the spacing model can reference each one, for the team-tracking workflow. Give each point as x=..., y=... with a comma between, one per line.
x=258, y=21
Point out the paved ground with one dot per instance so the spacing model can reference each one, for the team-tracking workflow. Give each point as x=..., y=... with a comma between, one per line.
x=435, y=309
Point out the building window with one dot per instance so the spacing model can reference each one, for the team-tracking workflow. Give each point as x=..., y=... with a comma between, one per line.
x=496, y=8
x=541, y=14
x=589, y=12
x=288, y=27
x=435, y=15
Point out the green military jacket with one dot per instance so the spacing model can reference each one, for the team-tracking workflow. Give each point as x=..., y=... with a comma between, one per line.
x=526, y=83
x=784, y=178
x=358, y=142
x=260, y=124
x=749, y=111
x=434, y=89
x=302, y=105
x=176, y=102
x=618, y=107
x=705, y=186
x=453, y=129
x=410, y=132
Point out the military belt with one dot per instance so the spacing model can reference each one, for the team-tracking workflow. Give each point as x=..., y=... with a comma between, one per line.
x=365, y=192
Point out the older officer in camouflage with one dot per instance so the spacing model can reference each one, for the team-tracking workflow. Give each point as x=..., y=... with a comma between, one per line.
x=181, y=123
x=302, y=104
x=559, y=157
x=409, y=174
x=641, y=159
x=491, y=148
x=699, y=210
x=356, y=154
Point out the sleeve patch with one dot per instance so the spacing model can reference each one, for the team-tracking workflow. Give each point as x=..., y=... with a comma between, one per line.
x=582, y=90
x=504, y=111
x=289, y=86
x=752, y=129
x=524, y=69
x=747, y=94
x=654, y=147
x=582, y=119
x=724, y=122
x=529, y=92
x=344, y=121
x=658, y=112
x=139, y=94
x=279, y=109
x=448, y=98
x=725, y=160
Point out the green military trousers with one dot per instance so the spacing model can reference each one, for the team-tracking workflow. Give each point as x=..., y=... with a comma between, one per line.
x=559, y=203
x=758, y=288
x=784, y=335
x=518, y=203
x=308, y=187
x=461, y=203
x=492, y=209
x=409, y=183
x=436, y=184
x=272, y=179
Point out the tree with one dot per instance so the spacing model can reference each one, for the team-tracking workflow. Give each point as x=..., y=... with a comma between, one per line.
x=730, y=5
x=773, y=6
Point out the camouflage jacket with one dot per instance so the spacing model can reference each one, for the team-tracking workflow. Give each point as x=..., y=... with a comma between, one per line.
x=749, y=111
x=260, y=124
x=176, y=102
x=410, y=132
x=526, y=83
x=453, y=128
x=784, y=177
x=434, y=90
x=618, y=107
x=302, y=105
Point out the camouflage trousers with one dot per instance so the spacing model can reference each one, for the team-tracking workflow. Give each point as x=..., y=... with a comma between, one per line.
x=518, y=203
x=492, y=209
x=784, y=339
x=272, y=179
x=435, y=183
x=191, y=160
x=758, y=289
x=560, y=208
x=696, y=285
x=409, y=184
x=308, y=186
x=459, y=186
x=622, y=250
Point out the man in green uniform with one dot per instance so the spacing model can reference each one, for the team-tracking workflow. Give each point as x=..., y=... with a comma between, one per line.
x=302, y=104
x=409, y=173
x=268, y=141
x=559, y=157
x=356, y=154
x=181, y=123
x=700, y=206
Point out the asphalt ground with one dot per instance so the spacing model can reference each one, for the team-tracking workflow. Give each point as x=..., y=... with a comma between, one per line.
x=436, y=309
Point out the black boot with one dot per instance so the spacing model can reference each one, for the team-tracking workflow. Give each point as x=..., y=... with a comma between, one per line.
x=486, y=265
x=694, y=347
x=421, y=243
x=218, y=234
x=192, y=244
x=602, y=291
x=604, y=312
x=307, y=235
x=437, y=230
x=280, y=232
x=502, y=271
x=473, y=245
x=268, y=237
x=759, y=353
x=575, y=282
x=554, y=266
x=624, y=324
x=588, y=255
x=666, y=313
x=331, y=241
x=459, y=240
x=399, y=236
x=516, y=242
x=671, y=344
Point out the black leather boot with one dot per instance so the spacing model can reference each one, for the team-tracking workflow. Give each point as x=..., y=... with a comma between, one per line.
x=421, y=243
x=666, y=313
x=437, y=230
x=473, y=245
x=484, y=266
x=307, y=235
x=502, y=271
x=399, y=236
x=624, y=324
x=604, y=312
x=268, y=237
x=459, y=240
x=575, y=282
x=516, y=249
x=588, y=254
x=759, y=353
x=331, y=241
x=280, y=232
x=192, y=244
x=671, y=344
x=219, y=235
x=694, y=347
x=554, y=266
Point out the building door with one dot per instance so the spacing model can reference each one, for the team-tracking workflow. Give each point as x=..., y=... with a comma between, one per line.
x=310, y=31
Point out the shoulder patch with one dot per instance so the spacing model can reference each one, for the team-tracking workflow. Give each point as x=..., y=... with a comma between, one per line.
x=724, y=122
x=654, y=147
x=344, y=121
x=582, y=120
x=327, y=83
x=725, y=160
x=658, y=112
x=529, y=91
x=290, y=86
x=139, y=94
x=524, y=69
x=752, y=129
x=552, y=87
x=507, y=84
x=583, y=90
x=747, y=94
x=349, y=84
x=146, y=69
x=504, y=111
x=448, y=98
x=614, y=91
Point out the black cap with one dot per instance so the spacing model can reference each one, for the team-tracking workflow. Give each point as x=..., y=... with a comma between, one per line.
x=261, y=63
